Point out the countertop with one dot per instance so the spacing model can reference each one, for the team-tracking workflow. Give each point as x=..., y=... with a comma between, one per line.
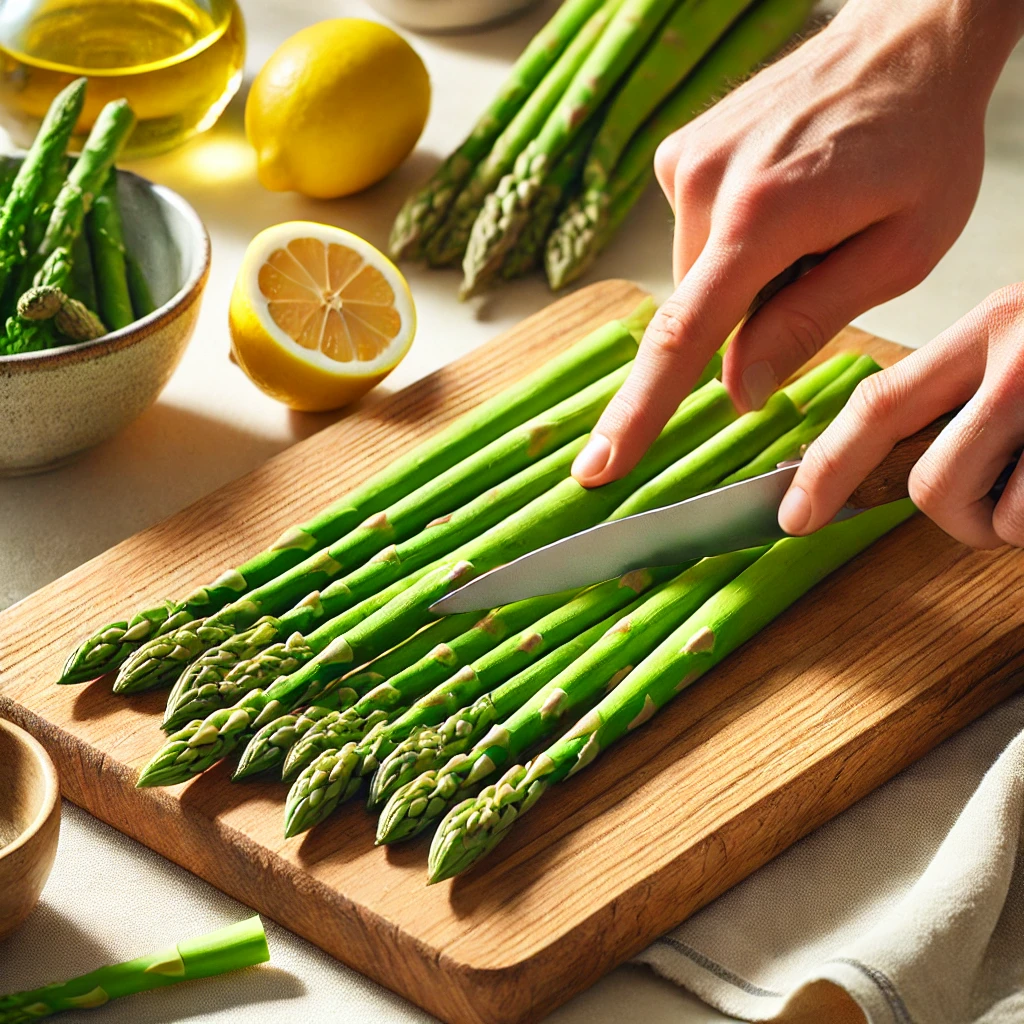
x=108, y=896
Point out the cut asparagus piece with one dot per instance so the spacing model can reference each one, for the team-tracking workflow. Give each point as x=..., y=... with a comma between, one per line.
x=507, y=208
x=425, y=208
x=518, y=721
x=587, y=223
x=736, y=613
x=564, y=509
x=587, y=361
x=227, y=949
x=432, y=509
x=106, y=243
x=448, y=244
x=138, y=287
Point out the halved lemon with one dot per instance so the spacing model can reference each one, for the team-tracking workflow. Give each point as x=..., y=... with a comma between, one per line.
x=318, y=316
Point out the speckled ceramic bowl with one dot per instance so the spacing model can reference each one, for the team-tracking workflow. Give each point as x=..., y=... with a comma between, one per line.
x=56, y=403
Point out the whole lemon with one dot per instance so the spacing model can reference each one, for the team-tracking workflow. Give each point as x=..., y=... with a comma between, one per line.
x=337, y=107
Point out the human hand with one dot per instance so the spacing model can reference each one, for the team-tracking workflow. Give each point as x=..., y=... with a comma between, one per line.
x=978, y=361
x=865, y=143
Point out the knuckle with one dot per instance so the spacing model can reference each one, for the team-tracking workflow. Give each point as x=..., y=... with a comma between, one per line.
x=806, y=329
x=876, y=399
x=666, y=158
x=929, y=489
x=667, y=333
x=1005, y=306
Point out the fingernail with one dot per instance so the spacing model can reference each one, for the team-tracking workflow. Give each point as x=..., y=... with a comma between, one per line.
x=795, y=510
x=759, y=382
x=593, y=458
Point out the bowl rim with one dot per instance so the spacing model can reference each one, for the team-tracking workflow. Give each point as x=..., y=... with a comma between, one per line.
x=51, y=795
x=139, y=329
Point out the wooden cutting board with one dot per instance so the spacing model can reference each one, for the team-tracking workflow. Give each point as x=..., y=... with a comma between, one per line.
x=873, y=668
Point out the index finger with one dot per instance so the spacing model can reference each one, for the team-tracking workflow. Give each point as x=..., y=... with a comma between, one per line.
x=682, y=336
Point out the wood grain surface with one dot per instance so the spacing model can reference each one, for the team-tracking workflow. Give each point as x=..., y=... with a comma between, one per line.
x=893, y=653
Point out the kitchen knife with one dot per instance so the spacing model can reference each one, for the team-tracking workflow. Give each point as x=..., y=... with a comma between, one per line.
x=741, y=515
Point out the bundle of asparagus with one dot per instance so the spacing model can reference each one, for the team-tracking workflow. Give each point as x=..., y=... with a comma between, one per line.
x=64, y=273
x=556, y=162
x=319, y=657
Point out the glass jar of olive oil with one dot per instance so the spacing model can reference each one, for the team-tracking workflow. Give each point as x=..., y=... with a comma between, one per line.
x=178, y=62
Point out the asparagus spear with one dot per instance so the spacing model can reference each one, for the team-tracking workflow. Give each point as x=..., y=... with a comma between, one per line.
x=690, y=32
x=448, y=243
x=106, y=241
x=138, y=287
x=528, y=251
x=527, y=718
x=563, y=509
x=227, y=949
x=272, y=741
x=507, y=208
x=492, y=668
x=425, y=208
x=588, y=360
x=536, y=449
x=335, y=774
x=583, y=228
x=46, y=153
x=82, y=282
x=737, y=612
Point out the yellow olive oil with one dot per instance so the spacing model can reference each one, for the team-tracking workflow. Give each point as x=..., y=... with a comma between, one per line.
x=178, y=62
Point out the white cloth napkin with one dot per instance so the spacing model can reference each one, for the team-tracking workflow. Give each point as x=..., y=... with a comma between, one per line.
x=912, y=901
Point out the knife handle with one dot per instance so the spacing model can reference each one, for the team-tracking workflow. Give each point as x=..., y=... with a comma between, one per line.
x=888, y=481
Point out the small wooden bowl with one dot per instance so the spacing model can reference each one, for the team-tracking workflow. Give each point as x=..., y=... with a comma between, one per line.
x=29, y=823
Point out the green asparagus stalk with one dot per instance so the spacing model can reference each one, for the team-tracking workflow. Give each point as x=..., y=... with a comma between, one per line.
x=138, y=287
x=227, y=949
x=335, y=774
x=51, y=183
x=82, y=282
x=45, y=154
x=526, y=255
x=448, y=243
x=519, y=720
x=585, y=225
x=585, y=362
x=563, y=509
x=495, y=666
x=53, y=256
x=737, y=612
x=270, y=744
x=690, y=32
x=424, y=210
x=507, y=208
x=106, y=242
x=534, y=454
x=820, y=411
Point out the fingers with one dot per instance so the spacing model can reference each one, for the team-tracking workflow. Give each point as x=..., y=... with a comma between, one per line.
x=951, y=482
x=885, y=407
x=869, y=268
x=679, y=340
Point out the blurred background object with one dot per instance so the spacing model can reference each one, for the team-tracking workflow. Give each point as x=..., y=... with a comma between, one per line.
x=449, y=15
x=178, y=62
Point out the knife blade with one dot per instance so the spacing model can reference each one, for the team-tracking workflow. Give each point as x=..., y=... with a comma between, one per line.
x=741, y=515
